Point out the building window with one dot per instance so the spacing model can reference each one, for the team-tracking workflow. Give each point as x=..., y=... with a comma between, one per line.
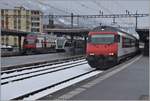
x=37, y=12
x=7, y=39
x=19, y=24
x=32, y=30
x=19, y=21
x=19, y=27
x=15, y=41
x=6, y=10
x=27, y=27
x=15, y=26
x=28, y=22
x=15, y=11
x=35, y=24
x=38, y=30
x=35, y=30
x=19, y=12
x=2, y=40
x=27, y=12
x=2, y=12
x=15, y=23
x=7, y=22
x=2, y=23
x=35, y=18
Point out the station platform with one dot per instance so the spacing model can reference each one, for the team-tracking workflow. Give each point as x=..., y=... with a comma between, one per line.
x=21, y=60
x=128, y=81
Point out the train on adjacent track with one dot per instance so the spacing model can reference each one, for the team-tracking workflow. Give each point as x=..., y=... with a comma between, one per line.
x=39, y=43
x=107, y=44
x=47, y=43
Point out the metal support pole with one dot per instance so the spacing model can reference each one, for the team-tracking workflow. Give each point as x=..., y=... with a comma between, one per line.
x=136, y=20
x=72, y=45
x=19, y=43
x=114, y=20
x=78, y=20
x=85, y=41
x=71, y=38
x=71, y=20
x=51, y=21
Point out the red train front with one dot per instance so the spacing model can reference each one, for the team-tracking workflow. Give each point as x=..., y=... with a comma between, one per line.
x=29, y=44
x=101, y=48
x=105, y=46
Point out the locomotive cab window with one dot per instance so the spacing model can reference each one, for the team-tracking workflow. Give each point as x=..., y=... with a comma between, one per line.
x=102, y=39
x=31, y=41
x=25, y=41
x=117, y=38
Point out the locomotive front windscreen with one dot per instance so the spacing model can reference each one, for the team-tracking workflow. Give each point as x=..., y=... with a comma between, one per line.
x=102, y=39
x=31, y=39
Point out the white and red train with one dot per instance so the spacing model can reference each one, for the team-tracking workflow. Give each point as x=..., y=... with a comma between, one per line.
x=45, y=43
x=42, y=43
x=110, y=44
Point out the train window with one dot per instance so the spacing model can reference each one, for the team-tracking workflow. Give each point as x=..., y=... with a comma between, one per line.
x=89, y=39
x=133, y=43
x=126, y=42
x=117, y=38
x=37, y=41
x=102, y=39
x=30, y=41
x=67, y=44
x=25, y=41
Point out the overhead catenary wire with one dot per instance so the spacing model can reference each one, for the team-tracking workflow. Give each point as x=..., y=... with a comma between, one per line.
x=121, y=7
x=89, y=8
x=104, y=8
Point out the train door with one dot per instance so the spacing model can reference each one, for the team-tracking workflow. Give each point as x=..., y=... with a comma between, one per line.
x=119, y=53
x=67, y=47
x=60, y=43
x=40, y=42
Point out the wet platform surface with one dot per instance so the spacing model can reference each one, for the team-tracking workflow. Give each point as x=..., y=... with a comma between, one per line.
x=19, y=60
x=126, y=81
x=132, y=83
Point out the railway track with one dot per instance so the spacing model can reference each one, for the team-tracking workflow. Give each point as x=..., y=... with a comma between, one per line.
x=32, y=84
x=18, y=68
x=39, y=71
x=13, y=68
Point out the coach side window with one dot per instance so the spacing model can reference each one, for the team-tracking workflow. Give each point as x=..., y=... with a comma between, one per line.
x=125, y=42
x=37, y=41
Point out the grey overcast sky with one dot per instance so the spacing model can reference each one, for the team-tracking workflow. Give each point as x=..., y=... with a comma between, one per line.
x=86, y=7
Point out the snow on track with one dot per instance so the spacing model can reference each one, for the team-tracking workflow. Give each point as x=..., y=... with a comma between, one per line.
x=37, y=69
x=23, y=87
x=39, y=72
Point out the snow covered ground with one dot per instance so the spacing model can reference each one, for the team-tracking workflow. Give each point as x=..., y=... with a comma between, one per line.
x=18, y=88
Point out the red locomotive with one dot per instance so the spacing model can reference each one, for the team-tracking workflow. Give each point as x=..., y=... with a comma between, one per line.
x=39, y=43
x=110, y=45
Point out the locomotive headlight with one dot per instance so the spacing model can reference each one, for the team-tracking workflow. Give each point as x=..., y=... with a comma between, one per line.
x=91, y=53
x=111, y=54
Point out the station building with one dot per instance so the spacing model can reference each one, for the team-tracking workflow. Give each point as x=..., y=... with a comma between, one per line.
x=20, y=19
